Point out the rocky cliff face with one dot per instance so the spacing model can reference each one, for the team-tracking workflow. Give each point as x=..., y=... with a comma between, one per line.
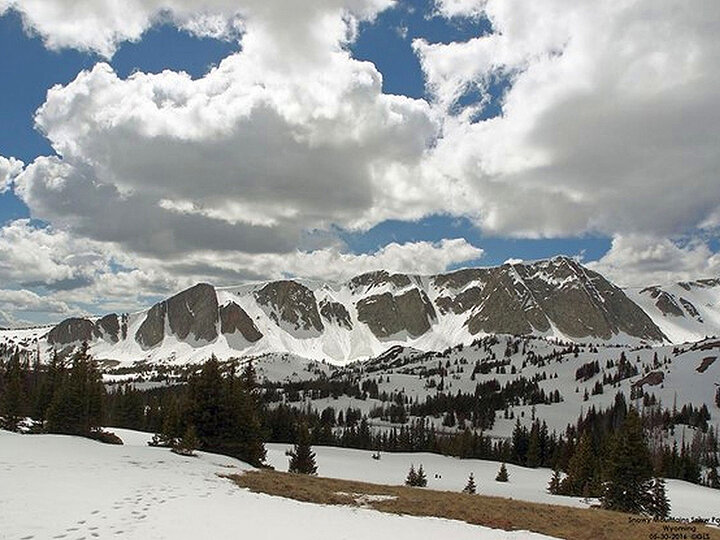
x=191, y=315
x=77, y=330
x=387, y=315
x=291, y=305
x=369, y=313
x=233, y=319
x=527, y=298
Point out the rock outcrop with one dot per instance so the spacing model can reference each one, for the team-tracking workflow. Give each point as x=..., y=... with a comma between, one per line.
x=291, y=305
x=387, y=315
x=192, y=315
x=233, y=319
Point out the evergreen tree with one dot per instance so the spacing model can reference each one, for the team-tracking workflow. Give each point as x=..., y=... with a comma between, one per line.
x=555, y=482
x=13, y=402
x=578, y=481
x=658, y=504
x=713, y=478
x=411, y=479
x=55, y=375
x=225, y=412
x=421, y=478
x=470, y=486
x=629, y=471
x=189, y=442
x=302, y=458
x=533, y=453
x=502, y=475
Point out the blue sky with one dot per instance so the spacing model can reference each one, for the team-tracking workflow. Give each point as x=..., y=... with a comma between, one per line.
x=486, y=141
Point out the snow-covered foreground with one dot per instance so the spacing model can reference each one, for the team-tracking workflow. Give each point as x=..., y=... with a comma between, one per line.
x=687, y=500
x=65, y=487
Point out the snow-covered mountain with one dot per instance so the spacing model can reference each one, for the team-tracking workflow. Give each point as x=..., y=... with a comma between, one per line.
x=685, y=311
x=370, y=313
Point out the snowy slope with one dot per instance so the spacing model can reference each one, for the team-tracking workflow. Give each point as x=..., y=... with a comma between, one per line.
x=687, y=500
x=66, y=487
x=683, y=379
x=687, y=311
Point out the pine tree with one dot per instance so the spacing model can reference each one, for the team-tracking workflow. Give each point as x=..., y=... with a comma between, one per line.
x=421, y=478
x=502, y=475
x=578, y=481
x=188, y=443
x=13, y=399
x=470, y=486
x=713, y=478
x=555, y=482
x=629, y=471
x=411, y=479
x=225, y=412
x=55, y=375
x=302, y=458
x=658, y=504
x=533, y=453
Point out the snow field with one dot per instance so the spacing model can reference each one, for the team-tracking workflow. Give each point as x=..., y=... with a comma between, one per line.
x=66, y=487
x=687, y=500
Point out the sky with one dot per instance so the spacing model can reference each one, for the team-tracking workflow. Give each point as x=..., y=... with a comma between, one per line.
x=151, y=144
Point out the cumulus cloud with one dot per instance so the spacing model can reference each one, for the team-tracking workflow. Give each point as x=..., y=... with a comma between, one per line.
x=600, y=124
x=332, y=264
x=24, y=300
x=69, y=271
x=101, y=25
x=640, y=260
x=244, y=159
x=9, y=169
x=30, y=255
x=611, y=109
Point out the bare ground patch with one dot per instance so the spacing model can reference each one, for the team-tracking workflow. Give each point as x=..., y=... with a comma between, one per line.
x=495, y=512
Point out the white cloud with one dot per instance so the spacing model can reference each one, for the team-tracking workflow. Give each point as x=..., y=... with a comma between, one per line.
x=29, y=255
x=72, y=271
x=24, y=300
x=334, y=265
x=101, y=25
x=461, y=8
x=9, y=169
x=640, y=261
x=243, y=159
x=609, y=125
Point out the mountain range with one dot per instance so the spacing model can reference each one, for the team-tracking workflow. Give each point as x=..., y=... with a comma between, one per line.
x=368, y=314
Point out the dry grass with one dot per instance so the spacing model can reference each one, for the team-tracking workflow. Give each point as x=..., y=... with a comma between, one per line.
x=496, y=512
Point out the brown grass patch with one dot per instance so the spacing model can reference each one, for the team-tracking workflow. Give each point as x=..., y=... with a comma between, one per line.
x=495, y=512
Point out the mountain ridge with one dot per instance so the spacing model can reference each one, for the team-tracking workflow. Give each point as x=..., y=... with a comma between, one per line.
x=369, y=313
